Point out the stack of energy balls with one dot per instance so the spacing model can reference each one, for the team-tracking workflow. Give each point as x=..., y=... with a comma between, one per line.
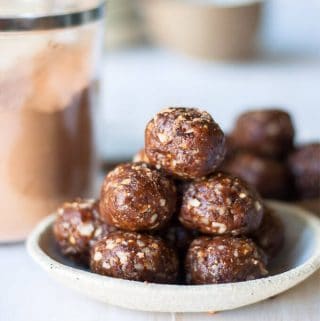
x=261, y=150
x=172, y=216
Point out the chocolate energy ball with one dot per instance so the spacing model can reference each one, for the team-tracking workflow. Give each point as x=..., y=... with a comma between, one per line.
x=78, y=226
x=140, y=157
x=137, y=197
x=270, y=177
x=178, y=237
x=267, y=132
x=304, y=164
x=270, y=234
x=231, y=149
x=221, y=204
x=184, y=142
x=134, y=256
x=224, y=259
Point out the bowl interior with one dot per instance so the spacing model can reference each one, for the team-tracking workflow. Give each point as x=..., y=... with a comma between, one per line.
x=300, y=243
x=299, y=258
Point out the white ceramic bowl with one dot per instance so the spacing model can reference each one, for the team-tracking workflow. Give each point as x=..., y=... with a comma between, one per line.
x=300, y=257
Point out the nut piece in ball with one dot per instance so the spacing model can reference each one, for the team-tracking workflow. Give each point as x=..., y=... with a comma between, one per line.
x=270, y=234
x=224, y=259
x=77, y=227
x=137, y=197
x=221, y=204
x=134, y=256
x=267, y=132
x=304, y=164
x=184, y=142
x=270, y=177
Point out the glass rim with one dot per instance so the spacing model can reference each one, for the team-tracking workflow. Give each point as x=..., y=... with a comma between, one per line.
x=29, y=22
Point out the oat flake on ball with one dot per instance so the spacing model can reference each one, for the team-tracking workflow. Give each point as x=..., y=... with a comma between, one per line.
x=184, y=142
x=221, y=204
x=135, y=256
x=137, y=197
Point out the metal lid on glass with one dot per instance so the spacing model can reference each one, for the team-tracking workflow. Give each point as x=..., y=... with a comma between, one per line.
x=54, y=15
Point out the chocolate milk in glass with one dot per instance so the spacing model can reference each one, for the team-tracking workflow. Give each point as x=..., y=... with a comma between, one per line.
x=50, y=52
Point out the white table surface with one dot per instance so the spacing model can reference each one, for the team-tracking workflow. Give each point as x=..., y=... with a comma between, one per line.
x=138, y=83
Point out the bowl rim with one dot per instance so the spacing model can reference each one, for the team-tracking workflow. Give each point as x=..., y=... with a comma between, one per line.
x=303, y=270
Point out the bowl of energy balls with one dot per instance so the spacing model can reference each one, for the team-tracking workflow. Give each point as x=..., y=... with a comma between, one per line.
x=181, y=228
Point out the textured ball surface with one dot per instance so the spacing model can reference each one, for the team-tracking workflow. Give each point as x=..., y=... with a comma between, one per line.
x=221, y=204
x=78, y=226
x=223, y=259
x=137, y=197
x=184, y=142
x=134, y=256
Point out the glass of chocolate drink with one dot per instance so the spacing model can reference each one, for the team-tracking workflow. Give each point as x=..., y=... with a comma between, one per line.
x=49, y=72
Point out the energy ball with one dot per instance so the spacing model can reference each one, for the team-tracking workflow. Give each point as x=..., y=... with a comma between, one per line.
x=178, y=237
x=267, y=132
x=137, y=197
x=224, y=259
x=184, y=142
x=304, y=164
x=140, y=157
x=231, y=149
x=221, y=204
x=270, y=234
x=270, y=177
x=134, y=256
x=77, y=227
